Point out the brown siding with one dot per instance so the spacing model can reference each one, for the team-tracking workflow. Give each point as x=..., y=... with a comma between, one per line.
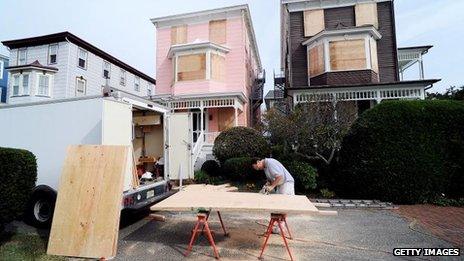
x=339, y=17
x=341, y=78
x=299, y=64
x=386, y=47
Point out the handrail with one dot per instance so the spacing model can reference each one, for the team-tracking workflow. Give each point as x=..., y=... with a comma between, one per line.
x=197, y=147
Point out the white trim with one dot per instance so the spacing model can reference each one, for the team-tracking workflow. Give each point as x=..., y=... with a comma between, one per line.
x=56, y=54
x=196, y=48
x=303, y=5
x=79, y=49
x=20, y=85
x=79, y=79
x=50, y=82
x=2, y=63
x=349, y=33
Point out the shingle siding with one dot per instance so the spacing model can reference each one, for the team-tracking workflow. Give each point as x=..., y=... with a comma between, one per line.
x=343, y=77
x=386, y=47
x=335, y=18
x=299, y=64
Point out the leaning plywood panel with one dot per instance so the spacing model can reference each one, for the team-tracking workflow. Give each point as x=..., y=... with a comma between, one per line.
x=193, y=200
x=87, y=211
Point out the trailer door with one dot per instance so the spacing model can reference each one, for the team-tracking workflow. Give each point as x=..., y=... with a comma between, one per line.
x=178, y=146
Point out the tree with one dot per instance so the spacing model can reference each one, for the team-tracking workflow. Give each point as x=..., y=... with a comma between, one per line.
x=313, y=130
x=452, y=93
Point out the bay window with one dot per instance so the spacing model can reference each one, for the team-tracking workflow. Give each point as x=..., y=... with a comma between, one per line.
x=20, y=85
x=16, y=80
x=191, y=67
x=43, y=85
x=347, y=55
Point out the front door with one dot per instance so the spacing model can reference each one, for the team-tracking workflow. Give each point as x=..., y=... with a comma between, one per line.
x=179, y=146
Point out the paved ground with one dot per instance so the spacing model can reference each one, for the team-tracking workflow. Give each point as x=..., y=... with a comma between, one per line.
x=352, y=235
x=449, y=226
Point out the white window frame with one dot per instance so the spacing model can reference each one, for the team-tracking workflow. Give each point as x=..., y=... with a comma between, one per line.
x=137, y=84
x=50, y=81
x=122, y=77
x=104, y=69
x=2, y=64
x=80, y=79
x=49, y=53
x=20, y=85
x=18, y=60
x=86, y=58
x=150, y=89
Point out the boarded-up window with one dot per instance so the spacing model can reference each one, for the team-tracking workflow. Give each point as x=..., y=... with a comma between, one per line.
x=313, y=22
x=218, y=69
x=347, y=55
x=217, y=31
x=366, y=14
x=316, y=60
x=226, y=118
x=374, y=57
x=191, y=67
x=178, y=34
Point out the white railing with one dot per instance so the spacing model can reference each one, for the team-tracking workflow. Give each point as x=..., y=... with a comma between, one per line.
x=210, y=137
x=197, y=147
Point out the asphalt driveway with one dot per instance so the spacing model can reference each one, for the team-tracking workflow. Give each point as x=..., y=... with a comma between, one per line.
x=352, y=235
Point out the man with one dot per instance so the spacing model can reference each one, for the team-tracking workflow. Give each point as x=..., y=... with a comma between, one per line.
x=277, y=175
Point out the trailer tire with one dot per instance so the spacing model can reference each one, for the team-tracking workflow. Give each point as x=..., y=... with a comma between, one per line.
x=40, y=208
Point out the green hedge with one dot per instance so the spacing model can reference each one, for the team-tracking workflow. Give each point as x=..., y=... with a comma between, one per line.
x=240, y=142
x=18, y=174
x=304, y=175
x=212, y=168
x=240, y=169
x=404, y=152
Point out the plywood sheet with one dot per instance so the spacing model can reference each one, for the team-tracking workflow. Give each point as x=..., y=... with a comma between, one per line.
x=236, y=202
x=218, y=67
x=191, y=67
x=313, y=22
x=179, y=34
x=366, y=14
x=347, y=55
x=87, y=211
x=374, y=55
x=207, y=188
x=217, y=31
x=316, y=60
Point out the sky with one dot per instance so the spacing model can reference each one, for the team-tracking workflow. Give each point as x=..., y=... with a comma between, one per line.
x=123, y=29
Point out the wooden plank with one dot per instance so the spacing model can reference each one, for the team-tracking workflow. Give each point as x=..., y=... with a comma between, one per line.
x=179, y=34
x=313, y=22
x=218, y=68
x=236, y=202
x=366, y=14
x=316, y=60
x=191, y=67
x=347, y=55
x=87, y=210
x=204, y=187
x=147, y=120
x=217, y=31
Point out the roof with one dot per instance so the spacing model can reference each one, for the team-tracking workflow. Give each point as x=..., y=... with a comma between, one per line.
x=300, y=5
x=423, y=49
x=274, y=94
x=427, y=82
x=193, y=15
x=34, y=65
x=4, y=57
x=67, y=36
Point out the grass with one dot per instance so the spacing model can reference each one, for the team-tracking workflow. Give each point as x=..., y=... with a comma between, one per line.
x=16, y=246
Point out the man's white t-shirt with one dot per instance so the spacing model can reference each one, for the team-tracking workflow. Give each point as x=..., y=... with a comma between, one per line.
x=273, y=169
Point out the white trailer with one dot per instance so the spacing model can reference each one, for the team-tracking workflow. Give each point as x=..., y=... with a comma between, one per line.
x=47, y=128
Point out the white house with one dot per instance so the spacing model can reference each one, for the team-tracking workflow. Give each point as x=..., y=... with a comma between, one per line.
x=63, y=65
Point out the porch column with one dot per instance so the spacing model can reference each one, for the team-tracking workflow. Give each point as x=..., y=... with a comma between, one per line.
x=236, y=116
x=201, y=120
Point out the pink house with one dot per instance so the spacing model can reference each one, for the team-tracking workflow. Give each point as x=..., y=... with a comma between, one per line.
x=208, y=63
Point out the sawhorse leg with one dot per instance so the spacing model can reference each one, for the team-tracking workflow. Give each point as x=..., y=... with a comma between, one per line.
x=277, y=218
x=202, y=219
x=208, y=213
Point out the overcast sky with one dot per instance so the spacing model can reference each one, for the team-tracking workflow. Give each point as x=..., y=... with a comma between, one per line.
x=122, y=28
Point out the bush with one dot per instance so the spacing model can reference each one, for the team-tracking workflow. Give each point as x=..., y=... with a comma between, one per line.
x=18, y=174
x=201, y=177
x=240, y=169
x=211, y=167
x=304, y=174
x=240, y=142
x=404, y=151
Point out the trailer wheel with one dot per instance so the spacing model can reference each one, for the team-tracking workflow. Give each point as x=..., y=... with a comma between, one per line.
x=39, y=210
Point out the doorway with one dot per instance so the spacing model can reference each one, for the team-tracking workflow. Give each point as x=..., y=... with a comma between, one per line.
x=196, y=123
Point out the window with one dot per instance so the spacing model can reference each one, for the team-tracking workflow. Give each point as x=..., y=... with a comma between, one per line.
x=16, y=80
x=218, y=69
x=1, y=70
x=106, y=69
x=150, y=89
x=52, y=53
x=122, y=77
x=22, y=56
x=43, y=87
x=316, y=60
x=313, y=22
x=137, y=84
x=82, y=58
x=217, y=31
x=347, y=55
x=20, y=84
x=81, y=87
x=191, y=67
x=178, y=34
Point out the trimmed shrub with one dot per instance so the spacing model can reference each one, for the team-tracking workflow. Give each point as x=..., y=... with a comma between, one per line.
x=240, y=142
x=240, y=169
x=201, y=177
x=212, y=168
x=304, y=174
x=18, y=174
x=404, y=151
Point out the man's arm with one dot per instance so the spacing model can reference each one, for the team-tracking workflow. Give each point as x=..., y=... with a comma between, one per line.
x=276, y=182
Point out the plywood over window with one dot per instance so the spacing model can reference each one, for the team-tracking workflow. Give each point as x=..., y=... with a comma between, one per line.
x=191, y=67
x=347, y=55
x=313, y=22
x=374, y=56
x=218, y=69
x=226, y=118
x=218, y=31
x=316, y=60
x=179, y=34
x=366, y=14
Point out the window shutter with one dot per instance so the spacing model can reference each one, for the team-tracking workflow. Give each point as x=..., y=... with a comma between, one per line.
x=366, y=14
x=313, y=22
x=217, y=31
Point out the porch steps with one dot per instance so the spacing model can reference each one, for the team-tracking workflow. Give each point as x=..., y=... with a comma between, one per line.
x=205, y=154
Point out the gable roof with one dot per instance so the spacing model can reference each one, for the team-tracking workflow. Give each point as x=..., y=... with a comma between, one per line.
x=67, y=36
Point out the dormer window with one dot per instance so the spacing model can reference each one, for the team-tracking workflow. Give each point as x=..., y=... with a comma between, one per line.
x=191, y=67
x=52, y=53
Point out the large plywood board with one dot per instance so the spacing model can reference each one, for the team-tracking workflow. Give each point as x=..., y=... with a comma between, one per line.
x=179, y=34
x=87, y=210
x=314, y=22
x=194, y=200
x=316, y=60
x=366, y=14
x=191, y=67
x=217, y=31
x=347, y=55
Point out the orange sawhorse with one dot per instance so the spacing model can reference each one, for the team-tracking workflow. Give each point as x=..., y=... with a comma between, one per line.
x=277, y=218
x=202, y=219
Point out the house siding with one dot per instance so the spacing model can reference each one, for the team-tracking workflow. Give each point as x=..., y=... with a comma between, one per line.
x=4, y=80
x=387, y=46
x=341, y=17
x=299, y=63
x=342, y=77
